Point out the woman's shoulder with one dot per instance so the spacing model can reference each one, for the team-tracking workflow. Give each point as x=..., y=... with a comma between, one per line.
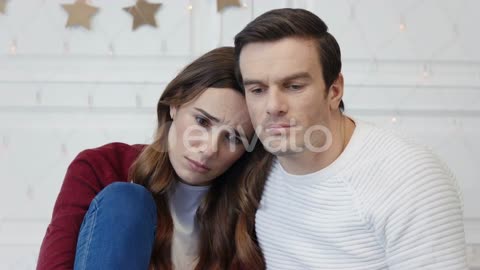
x=115, y=150
x=110, y=160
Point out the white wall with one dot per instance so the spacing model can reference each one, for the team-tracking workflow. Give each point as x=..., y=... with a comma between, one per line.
x=410, y=65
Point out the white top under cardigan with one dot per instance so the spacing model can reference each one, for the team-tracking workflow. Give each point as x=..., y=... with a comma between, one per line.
x=184, y=202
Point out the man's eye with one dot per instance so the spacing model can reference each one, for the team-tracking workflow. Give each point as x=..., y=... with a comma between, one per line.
x=202, y=121
x=295, y=86
x=256, y=90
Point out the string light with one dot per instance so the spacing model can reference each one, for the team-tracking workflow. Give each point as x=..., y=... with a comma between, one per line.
x=455, y=30
x=375, y=65
x=402, y=26
x=190, y=7
x=163, y=45
x=352, y=14
x=111, y=50
x=244, y=5
x=5, y=141
x=30, y=192
x=38, y=97
x=13, y=47
x=425, y=72
x=63, y=149
x=66, y=47
x=394, y=120
x=138, y=100
x=90, y=101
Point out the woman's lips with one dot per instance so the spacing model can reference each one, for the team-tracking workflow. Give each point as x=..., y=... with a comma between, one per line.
x=197, y=166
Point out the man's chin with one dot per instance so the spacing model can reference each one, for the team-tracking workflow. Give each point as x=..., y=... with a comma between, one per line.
x=282, y=149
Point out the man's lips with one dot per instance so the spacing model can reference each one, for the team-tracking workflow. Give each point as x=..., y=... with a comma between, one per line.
x=277, y=128
x=197, y=166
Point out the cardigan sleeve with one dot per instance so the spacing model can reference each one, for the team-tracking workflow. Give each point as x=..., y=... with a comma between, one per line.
x=86, y=176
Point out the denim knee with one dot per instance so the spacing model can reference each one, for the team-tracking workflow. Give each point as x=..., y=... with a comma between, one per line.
x=127, y=201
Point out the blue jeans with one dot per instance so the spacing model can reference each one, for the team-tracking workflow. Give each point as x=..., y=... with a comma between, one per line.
x=118, y=230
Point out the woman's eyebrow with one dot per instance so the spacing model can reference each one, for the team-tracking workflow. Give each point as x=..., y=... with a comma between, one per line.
x=215, y=119
x=209, y=116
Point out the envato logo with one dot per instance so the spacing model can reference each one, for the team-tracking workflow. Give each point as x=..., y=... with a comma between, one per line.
x=291, y=139
x=294, y=138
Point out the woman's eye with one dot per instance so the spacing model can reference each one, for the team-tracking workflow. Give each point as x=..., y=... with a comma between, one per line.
x=202, y=121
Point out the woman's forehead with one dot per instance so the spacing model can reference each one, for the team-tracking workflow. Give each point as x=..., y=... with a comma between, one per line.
x=223, y=105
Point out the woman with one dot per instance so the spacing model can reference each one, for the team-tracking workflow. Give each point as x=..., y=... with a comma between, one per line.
x=182, y=209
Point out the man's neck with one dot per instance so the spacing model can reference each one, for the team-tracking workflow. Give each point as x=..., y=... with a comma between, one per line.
x=308, y=162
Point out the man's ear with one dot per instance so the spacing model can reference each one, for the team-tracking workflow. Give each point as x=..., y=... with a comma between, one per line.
x=335, y=93
x=173, y=112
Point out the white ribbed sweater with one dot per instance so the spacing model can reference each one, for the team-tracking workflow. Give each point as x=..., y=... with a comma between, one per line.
x=385, y=203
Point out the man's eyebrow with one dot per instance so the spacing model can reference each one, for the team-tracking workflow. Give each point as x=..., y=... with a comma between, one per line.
x=250, y=82
x=209, y=116
x=300, y=75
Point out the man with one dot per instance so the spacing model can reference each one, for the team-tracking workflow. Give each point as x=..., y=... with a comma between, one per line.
x=341, y=194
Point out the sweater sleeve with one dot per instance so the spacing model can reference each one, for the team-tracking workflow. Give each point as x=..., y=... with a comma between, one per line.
x=424, y=225
x=86, y=176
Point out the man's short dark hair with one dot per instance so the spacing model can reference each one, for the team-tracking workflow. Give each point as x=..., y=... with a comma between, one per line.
x=287, y=22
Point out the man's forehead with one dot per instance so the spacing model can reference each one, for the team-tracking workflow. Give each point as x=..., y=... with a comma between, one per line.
x=291, y=45
x=258, y=59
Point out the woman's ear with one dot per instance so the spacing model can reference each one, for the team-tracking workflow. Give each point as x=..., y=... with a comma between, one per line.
x=173, y=112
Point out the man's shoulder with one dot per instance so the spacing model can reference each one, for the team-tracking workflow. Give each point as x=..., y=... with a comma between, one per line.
x=394, y=154
x=389, y=146
x=400, y=167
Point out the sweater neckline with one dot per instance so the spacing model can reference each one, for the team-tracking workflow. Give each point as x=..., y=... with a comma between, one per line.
x=339, y=165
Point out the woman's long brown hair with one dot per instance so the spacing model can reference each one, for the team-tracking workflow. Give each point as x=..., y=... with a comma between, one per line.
x=226, y=214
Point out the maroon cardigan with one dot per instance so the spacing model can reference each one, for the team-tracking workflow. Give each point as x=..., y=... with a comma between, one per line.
x=87, y=175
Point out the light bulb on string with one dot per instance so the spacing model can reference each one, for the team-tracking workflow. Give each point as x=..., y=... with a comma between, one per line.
x=66, y=47
x=455, y=30
x=163, y=46
x=402, y=26
x=13, y=47
x=30, y=192
x=4, y=145
x=352, y=14
x=111, y=50
x=138, y=100
x=63, y=149
x=425, y=72
x=374, y=65
x=38, y=96
x=5, y=141
x=90, y=101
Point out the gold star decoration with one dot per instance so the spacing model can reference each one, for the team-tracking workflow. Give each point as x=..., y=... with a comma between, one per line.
x=143, y=13
x=222, y=4
x=79, y=13
x=3, y=4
